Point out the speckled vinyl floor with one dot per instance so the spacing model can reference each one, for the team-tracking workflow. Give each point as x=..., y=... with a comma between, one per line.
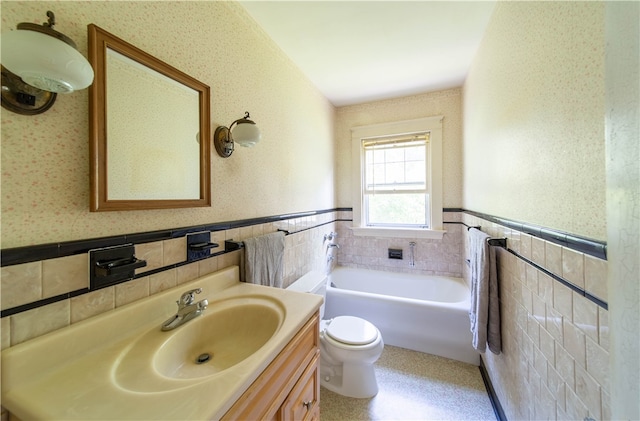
x=415, y=386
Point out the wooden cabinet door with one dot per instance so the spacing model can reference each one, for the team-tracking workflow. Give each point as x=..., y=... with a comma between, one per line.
x=264, y=398
x=303, y=401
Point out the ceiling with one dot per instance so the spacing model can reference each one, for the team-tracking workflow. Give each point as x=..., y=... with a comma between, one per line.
x=360, y=51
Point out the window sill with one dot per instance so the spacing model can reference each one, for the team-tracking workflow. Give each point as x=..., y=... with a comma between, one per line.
x=398, y=232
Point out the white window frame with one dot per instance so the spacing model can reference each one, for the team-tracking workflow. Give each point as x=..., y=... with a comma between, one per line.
x=433, y=125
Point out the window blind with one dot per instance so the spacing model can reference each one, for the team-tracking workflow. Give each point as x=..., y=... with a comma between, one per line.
x=396, y=164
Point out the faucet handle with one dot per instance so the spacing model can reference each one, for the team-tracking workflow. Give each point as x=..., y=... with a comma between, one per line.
x=202, y=305
x=187, y=298
x=331, y=236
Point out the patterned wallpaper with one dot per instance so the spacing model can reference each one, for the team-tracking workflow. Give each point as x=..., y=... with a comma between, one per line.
x=623, y=202
x=533, y=117
x=446, y=103
x=45, y=158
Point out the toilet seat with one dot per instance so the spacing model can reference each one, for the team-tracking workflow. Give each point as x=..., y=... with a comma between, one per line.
x=351, y=330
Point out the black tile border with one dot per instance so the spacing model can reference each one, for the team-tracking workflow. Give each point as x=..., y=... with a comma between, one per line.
x=50, y=251
x=563, y=281
x=557, y=278
x=584, y=245
x=20, y=255
x=41, y=303
x=50, y=300
x=27, y=254
x=493, y=397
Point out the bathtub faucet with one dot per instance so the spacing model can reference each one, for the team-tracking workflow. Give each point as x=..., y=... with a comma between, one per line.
x=412, y=246
x=332, y=245
x=331, y=236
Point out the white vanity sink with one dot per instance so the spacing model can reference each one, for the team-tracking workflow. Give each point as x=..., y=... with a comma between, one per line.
x=121, y=365
x=227, y=333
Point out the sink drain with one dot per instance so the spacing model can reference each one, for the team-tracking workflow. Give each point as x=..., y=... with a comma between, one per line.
x=203, y=358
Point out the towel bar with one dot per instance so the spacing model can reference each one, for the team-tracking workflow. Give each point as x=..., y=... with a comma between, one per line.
x=230, y=245
x=499, y=242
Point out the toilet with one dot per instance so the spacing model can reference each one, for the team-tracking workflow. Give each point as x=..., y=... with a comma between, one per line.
x=348, y=346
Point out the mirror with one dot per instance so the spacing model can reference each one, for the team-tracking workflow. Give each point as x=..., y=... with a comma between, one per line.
x=149, y=128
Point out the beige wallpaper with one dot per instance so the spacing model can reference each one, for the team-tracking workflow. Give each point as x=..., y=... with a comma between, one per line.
x=45, y=158
x=534, y=117
x=446, y=103
x=623, y=203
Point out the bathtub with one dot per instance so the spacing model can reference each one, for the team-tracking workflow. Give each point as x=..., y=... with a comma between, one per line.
x=419, y=312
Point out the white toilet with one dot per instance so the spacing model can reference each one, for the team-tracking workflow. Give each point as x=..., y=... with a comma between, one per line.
x=348, y=346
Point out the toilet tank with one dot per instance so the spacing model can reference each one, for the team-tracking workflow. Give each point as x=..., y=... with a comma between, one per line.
x=312, y=282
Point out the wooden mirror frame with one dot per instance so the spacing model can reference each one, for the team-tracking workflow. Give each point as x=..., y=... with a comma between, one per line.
x=99, y=41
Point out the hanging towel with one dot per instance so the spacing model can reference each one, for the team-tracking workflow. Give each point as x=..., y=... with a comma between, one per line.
x=263, y=258
x=484, y=313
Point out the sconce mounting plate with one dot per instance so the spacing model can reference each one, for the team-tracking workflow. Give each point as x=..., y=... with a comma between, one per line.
x=221, y=140
x=24, y=99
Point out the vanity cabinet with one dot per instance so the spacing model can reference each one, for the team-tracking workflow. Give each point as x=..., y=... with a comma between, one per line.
x=302, y=402
x=289, y=388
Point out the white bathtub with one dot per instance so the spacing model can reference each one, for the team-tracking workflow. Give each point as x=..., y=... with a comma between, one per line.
x=424, y=313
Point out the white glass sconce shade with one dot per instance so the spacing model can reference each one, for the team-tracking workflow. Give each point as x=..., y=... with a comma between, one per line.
x=243, y=131
x=45, y=62
x=246, y=134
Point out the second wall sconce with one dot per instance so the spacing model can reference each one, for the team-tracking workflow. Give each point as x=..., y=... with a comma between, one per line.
x=38, y=62
x=245, y=133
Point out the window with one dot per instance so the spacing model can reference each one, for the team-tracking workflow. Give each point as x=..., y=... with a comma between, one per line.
x=395, y=189
x=397, y=174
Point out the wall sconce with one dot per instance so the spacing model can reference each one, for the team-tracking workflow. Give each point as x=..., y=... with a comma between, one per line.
x=37, y=63
x=246, y=133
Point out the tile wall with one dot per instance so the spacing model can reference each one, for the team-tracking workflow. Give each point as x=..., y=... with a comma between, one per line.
x=431, y=257
x=555, y=342
x=26, y=283
x=555, y=358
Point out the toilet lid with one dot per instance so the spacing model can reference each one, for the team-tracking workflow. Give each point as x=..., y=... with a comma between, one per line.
x=352, y=330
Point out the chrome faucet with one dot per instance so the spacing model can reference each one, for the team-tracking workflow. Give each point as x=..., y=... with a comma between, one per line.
x=187, y=309
x=331, y=236
x=333, y=245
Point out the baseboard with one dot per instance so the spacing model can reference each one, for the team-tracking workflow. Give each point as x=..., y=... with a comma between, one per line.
x=495, y=402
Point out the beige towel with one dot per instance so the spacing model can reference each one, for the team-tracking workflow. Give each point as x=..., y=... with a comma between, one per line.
x=263, y=258
x=484, y=313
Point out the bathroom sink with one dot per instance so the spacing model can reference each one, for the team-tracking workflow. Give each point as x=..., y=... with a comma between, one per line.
x=227, y=333
x=121, y=365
